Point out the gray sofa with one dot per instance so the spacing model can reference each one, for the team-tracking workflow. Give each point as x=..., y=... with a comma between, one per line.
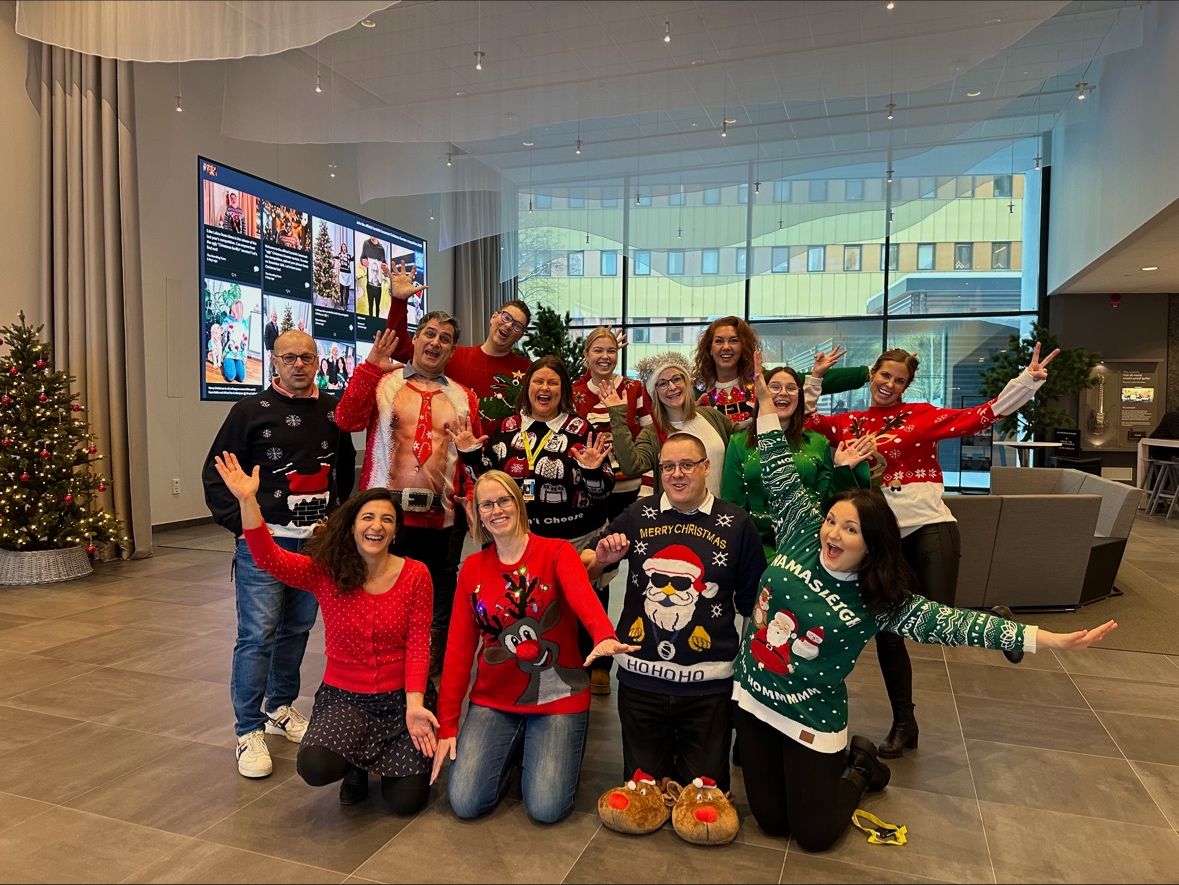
x=1043, y=538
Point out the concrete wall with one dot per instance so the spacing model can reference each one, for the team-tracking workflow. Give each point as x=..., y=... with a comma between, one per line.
x=180, y=426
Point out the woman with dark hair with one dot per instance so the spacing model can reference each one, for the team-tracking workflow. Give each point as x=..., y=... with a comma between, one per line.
x=321, y=377
x=373, y=711
x=724, y=370
x=904, y=464
x=835, y=581
x=548, y=450
x=741, y=483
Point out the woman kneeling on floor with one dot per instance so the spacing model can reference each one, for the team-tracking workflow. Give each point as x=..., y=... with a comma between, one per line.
x=372, y=713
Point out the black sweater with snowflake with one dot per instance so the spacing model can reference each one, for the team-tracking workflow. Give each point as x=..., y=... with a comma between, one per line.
x=304, y=459
x=690, y=574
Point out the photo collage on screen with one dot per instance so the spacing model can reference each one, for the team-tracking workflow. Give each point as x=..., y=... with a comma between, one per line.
x=272, y=260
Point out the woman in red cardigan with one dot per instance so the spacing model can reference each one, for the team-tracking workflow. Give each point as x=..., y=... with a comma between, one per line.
x=372, y=712
x=521, y=597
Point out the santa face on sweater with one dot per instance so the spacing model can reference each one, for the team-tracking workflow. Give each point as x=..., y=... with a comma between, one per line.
x=674, y=587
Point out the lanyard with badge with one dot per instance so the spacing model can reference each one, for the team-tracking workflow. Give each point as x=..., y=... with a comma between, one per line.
x=528, y=486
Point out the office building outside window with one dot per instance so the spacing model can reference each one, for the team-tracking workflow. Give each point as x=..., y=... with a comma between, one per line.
x=855, y=189
x=1002, y=185
x=816, y=259
x=925, y=256
x=742, y=260
x=818, y=190
x=675, y=263
x=642, y=262
x=676, y=199
x=781, y=259
x=609, y=264
x=853, y=258
x=782, y=191
x=544, y=201
x=894, y=256
x=742, y=194
x=1000, y=256
x=710, y=261
x=712, y=196
x=577, y=202
x=575, y=264
x=964, y=256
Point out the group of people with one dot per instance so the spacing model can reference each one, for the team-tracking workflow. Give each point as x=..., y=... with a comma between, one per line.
x=821, y=532
x=285, y=226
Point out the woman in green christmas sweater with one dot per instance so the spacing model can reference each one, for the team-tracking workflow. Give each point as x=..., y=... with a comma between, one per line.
x=832, y=584
x=741, y=483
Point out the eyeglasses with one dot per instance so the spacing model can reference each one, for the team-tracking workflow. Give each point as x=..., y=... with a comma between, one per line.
x=289, y=359
x=507, y=502
x=775, y=387
x=508, y=320
x=676, y=582
x=678, y=381
x=667, y=468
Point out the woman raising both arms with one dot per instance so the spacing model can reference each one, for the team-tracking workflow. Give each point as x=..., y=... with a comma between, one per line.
x=835, y=581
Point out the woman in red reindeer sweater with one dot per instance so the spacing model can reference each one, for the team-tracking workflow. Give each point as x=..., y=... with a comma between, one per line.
x=525, y=594
x=904, y=466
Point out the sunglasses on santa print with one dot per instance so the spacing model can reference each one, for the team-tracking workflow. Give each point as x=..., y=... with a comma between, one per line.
x=679, y=582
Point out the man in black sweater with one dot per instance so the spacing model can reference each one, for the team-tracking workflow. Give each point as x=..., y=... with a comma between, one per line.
x=289, y=432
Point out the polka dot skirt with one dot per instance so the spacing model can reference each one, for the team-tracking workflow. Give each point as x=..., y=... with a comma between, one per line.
x=368, y=730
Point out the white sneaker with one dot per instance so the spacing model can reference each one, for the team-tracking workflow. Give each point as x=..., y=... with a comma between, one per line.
x=287, y=721
x=253, y=756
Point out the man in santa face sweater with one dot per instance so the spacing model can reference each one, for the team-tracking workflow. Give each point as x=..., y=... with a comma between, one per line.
x=694, y=565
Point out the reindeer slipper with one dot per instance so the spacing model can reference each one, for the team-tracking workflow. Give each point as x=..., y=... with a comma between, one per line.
x=641, y=805
x=703, y=815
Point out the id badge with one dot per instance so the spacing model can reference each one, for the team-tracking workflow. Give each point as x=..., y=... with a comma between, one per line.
x=528, y=488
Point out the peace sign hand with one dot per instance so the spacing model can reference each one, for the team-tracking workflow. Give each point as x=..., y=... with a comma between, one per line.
x=591, y=456
x=463, y=436
x=1037, y=367
x=824, y=361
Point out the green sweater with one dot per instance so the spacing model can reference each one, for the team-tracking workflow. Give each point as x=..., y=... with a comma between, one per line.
x=809, y=625
x=741, y=484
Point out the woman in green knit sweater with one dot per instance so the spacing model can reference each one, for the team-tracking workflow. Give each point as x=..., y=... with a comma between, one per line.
x=836, y=579
x=741, y=482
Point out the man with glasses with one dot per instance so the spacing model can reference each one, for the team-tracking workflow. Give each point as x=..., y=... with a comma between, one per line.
x=288, y=432
x=694, y=564
x=407, y=412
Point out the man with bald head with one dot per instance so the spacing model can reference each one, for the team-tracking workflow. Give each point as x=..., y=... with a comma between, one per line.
x=289, y=431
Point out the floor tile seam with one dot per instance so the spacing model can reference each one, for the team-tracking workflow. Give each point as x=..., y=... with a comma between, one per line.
x=265, y=856
x=118, y=820
x=1161, y=828
x=8, y=699
x=8, y=826
x=973, y=780
x=200, y=835
x=1123, y=757
x=1173, y=823
x=581, y=854
x=97, y=668
x=414, y=819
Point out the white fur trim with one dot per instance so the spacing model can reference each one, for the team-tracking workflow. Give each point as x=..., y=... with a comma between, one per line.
x=382, y=447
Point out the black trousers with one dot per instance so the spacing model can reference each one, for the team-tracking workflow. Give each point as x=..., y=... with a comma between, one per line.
x=374, y=300
x=792, y=789
x=615, y=504
x=933, y=551
x=319, y=766
x=440, y=551
x=676, y=736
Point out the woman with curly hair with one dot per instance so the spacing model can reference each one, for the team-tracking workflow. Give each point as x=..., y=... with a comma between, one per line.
x=373, y=712
x=724, y=370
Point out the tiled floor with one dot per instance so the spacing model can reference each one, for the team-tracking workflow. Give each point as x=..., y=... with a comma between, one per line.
x=116, y=760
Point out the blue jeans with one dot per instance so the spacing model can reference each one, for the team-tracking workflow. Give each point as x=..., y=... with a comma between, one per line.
x=491, y=741
x=272, y=625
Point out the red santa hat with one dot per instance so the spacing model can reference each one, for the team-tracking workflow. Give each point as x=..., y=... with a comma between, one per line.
x=678, y=559
x=703, y=781
x=815, y=635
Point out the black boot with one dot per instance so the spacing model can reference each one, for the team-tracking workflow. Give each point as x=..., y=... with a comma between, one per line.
x=1004, y=612
x=354, y=786
x=902, y=736
x=862, y=758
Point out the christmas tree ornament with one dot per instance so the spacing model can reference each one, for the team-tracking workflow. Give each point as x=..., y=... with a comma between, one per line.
x=91, y=549
x=24, y=477
x=44, y=453
x=75, y=407
x=40, y=364
x=69, y=499
x=6, y=399
x=6, y=442
x=92, y=449
x=102, y=486
x=42, y=398
x=14, y=371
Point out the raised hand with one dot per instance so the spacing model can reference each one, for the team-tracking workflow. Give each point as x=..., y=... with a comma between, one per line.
x=824, y=361
x=244, y=486
x=422, y=727
x=463, y=436
x=765, y=399
x=401, y=281
x=591, y=456
x=1037, y=367
x=444, y=748
x=384, y=343
x=608, y=647
x=853, y=451
x=610, y=395
x=1074, y=641
x=611, y=548
x=619, y=336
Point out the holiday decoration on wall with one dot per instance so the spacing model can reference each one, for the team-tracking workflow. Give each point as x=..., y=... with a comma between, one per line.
x=47, y=482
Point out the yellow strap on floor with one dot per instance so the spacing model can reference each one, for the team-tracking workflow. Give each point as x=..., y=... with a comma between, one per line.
x=879, y=832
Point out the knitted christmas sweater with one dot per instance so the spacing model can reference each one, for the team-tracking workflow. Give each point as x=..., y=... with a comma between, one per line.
x=296, y=442
x=736, y=400
x=567, y=500
x=407, y=448
x=742, y=484
x=905, y=464
x=588, y=404
x=374, y=642
x=690, y=573
x=638, y=454
x=810, y=624
x=527, y=614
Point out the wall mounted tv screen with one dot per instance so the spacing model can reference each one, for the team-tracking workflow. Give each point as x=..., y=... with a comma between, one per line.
x=272, y=259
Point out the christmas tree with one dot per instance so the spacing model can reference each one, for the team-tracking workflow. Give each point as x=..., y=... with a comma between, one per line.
x=550, y=335
x=323, y=274
x=288, y=322
x=50, y=493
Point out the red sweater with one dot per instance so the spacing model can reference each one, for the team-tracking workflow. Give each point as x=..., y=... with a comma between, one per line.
x=527, y=613
x=375, y=642
x=589, y=406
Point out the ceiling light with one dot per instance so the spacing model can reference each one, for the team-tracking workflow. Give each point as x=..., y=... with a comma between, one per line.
x=1151, y=267
x=479, y=56
x=974, y=93
x=368, y=23
x=696, y=61
x=993, y=21
x=332, y=167
x=528, y=143
x=450, y=159
x=1082, y=90
x=179, y=104
x=530, y=204
x=891, y=107
x=577, y=146
x=1036, y=161
x=318, y=82
x=891, y=4
x=667, y=30
x=757, y=187
x=888, y=175
x=460, y=92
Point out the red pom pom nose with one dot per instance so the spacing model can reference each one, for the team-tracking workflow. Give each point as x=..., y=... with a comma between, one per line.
x=528, y=650
x=707, y=814
x=618, y=801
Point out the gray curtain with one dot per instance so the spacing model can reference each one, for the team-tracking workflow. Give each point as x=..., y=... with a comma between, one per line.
x=477, y=287
x=91, y=291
